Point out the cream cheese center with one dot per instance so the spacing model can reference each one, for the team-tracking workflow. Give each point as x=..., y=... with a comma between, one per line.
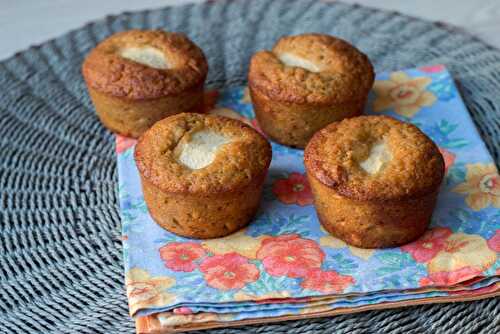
x=201, y=149
x=290, y=59
x=378, y=158
x=147, y=55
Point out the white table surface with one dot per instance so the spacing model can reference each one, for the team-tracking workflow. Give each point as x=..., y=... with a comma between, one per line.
x=27, y=22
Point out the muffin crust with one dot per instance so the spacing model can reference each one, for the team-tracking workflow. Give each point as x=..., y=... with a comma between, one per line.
x=335, y=154
x=306, y=82
x=124, y=90
x=108, y=72
x=344, y=73
x=207, y=202
x=388, y=206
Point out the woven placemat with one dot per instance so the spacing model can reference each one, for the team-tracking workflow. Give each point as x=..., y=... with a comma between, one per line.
x=60, y=248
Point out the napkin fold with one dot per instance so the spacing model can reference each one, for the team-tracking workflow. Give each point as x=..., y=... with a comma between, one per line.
x=171, y=284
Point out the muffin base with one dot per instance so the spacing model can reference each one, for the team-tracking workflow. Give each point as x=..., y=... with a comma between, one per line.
x=131, y=118
x=203, y=216
x=294, y=124
x=370, y=224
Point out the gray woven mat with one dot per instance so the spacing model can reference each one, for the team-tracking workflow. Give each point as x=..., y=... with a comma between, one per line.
x=60, y=248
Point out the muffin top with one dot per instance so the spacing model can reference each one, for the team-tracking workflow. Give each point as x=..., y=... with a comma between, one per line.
x=375, y=158
x=202, y=154
x=311, y=68
x=143, y=64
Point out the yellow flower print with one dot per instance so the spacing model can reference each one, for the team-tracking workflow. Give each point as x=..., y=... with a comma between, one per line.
x=168, y=320
x=405, y=94
x=482, y=186
x=243, y=296
x=239, y=242
x=145, y=291
x=315, y=309
x=463, y=251
x=246, y=96
x=332, y=242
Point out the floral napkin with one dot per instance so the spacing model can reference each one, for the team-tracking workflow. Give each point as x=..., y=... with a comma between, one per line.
x=285, y=266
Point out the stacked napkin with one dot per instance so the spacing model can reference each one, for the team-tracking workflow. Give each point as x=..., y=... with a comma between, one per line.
x=285, y=266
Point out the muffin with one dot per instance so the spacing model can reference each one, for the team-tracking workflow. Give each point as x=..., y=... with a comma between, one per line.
x=375, y=180
x=138, y=77
x=202, y=175
x=305, y=83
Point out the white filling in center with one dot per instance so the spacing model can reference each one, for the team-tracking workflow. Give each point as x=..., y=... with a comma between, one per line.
x=290, y=59
x=146, y=55
x=377, y=159
x=200, y=151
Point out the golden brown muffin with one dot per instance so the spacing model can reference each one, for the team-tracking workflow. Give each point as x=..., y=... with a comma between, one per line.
x=305, y=83
x=375, y=180
x=137, y=77
x=202, y=175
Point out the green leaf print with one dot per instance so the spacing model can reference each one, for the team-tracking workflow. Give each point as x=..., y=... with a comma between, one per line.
x=297, y=224
x=267, y=283
x=341, y=264
x=393, y=262
x=446, y=128
x=456, y=174
x=456, y=143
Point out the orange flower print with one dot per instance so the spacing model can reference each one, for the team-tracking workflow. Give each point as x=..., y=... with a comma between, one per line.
x=124, y=143
x=443, y=278
x=405, y=94
x=481, y=186
x=476, y=292
x=289, y=255
x=429, y=245
x=448, y=157
x=462, y=257
x=432, y=68
x=229, y=271
x=293, y=190
x=146, y=291
x=494, y=242
x=182, y=310
x=326, y=281
x=181, y=256
x=256, y=126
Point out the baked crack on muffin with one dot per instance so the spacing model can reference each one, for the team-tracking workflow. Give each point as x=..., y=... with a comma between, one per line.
x=375, y=180
x=305, y=83
x=138, y=77
x=202, y=175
